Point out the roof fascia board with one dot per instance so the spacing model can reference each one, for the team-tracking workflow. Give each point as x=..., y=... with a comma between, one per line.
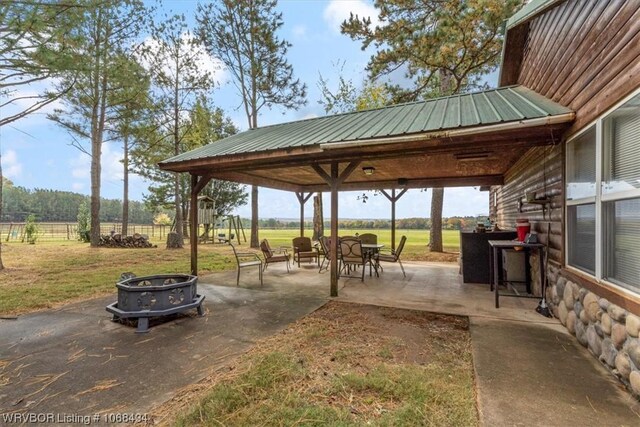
x=533, y=9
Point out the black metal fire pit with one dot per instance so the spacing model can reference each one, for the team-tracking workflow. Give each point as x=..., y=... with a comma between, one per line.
x=153, y=296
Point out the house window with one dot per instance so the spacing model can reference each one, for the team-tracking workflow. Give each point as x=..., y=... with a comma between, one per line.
x=622, y=242
x=581, y=224
x=603, y=198
x=581, y=165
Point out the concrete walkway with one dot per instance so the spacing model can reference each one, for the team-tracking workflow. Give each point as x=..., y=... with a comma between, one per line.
x=74, y=360
x=529, y=370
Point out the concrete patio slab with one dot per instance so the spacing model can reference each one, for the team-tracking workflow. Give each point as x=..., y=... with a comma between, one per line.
x=75, y=360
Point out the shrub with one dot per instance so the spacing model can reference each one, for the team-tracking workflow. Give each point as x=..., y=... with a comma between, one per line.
x=31, y=229
x=162, y=219
x=84, y=226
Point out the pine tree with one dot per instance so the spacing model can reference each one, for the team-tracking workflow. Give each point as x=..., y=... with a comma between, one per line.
x=106, y=30
x=443, y=47
x=242, y=34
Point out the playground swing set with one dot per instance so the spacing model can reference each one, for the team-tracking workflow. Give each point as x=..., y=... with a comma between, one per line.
x=215, y=225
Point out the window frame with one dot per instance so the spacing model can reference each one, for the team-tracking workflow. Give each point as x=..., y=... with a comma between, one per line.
x=599, y=200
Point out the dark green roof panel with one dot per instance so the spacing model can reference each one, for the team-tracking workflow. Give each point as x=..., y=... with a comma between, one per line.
x=506, y=104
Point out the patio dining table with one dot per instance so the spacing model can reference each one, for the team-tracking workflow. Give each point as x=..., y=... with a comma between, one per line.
x=371, y=249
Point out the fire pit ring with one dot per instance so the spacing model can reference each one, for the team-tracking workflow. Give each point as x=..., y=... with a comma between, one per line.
x=154, y=296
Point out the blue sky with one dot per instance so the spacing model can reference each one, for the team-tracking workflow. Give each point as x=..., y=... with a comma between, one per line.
x=37, y=153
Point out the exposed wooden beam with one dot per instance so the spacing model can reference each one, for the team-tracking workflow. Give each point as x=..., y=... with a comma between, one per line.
x=462, y=181
x=334, y=229
x=348, y=171
x=325, y=177
x=193, y=214
x=202, y=182
x=249, y=178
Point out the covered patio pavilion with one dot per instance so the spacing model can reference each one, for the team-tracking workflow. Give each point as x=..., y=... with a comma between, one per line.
x=461, y=140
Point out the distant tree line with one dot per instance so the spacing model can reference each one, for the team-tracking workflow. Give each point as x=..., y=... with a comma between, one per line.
x=62, y=206
x=452, y=223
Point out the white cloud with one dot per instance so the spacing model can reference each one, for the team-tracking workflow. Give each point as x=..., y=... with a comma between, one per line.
x=112, y=169
x=77, y=186
x=299, y=32
x=338, y=11
x=11, y=167
x=206, y=62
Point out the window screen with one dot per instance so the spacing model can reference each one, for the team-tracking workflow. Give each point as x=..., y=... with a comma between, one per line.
x=581, y=223
x=622, y=148
x=622, y=242
x=581, y=166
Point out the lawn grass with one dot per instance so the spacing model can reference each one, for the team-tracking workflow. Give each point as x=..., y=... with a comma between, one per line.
x=345, y=365
x=46, y=274
x=50, y=273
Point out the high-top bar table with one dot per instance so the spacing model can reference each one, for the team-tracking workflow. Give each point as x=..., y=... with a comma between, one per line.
x=496, y=248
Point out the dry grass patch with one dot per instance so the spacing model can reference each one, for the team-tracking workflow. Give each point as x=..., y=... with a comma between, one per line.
x=345, y=364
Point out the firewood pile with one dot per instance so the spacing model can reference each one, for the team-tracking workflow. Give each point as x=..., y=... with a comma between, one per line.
x=119, y=241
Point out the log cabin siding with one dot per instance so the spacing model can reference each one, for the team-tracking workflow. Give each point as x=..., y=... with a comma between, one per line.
x=541, y=171
x=584, y=55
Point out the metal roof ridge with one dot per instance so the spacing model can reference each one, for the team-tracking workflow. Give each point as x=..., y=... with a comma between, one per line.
x=384, y=107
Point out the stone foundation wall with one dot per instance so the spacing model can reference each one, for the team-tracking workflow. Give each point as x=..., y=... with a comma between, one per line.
x=607, y=330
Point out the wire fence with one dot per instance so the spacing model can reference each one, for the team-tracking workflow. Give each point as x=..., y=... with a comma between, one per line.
x=57, y=231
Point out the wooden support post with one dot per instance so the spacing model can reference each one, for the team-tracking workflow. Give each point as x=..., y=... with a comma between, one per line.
x=393, y=219
x=393, y=198
x=197, y=184
x=302, y=199
x=194, y=225
x=334, y=229
x=334, y=180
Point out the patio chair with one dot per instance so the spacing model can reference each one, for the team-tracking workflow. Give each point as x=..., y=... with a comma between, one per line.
x=351, y=255
x=325, y=245
x=302, y=249
x=247, y=259
x=369, y=238
x=394, y=256
x=271, y=257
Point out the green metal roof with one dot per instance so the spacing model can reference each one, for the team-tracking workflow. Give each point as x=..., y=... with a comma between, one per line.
x=502, y=105
x=531, y=9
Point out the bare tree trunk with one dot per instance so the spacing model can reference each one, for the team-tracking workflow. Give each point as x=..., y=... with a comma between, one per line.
x=176, y=151
x=318, y=217
x=1, y=188
x=96, y=167
x=185, y=214
x=125, y=192
x=435, y=234
x=437, y=196
x=255, y=240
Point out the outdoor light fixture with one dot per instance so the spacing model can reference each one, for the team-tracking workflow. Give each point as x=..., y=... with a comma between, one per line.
x=368, y=170
x=402, y=182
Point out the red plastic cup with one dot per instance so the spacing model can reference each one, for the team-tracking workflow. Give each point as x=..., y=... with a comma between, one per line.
x=522, y=228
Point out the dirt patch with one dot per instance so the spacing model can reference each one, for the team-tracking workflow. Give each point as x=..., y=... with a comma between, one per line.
x=346, y=363
x=434, y=256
